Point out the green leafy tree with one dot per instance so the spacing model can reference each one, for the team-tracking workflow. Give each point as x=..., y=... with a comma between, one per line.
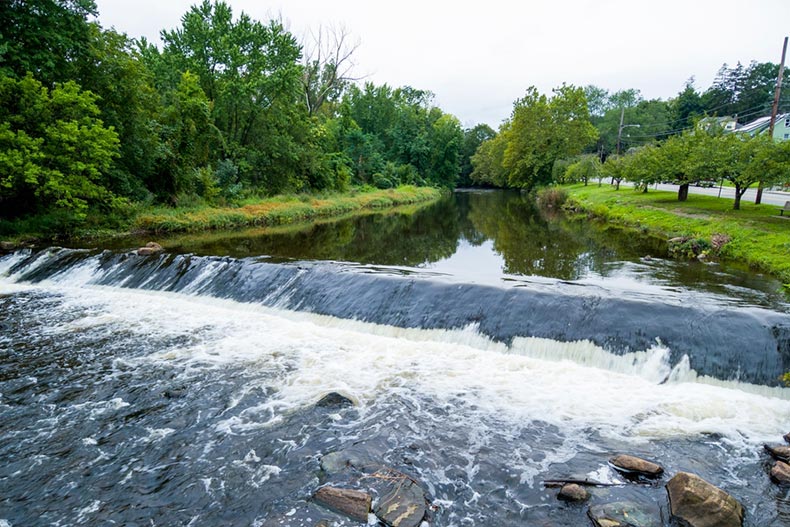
x=48, y=38
x=473, y=138
x=543, y=129
x=54, y=149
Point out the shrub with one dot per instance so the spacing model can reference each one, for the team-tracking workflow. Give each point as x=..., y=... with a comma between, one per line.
x=551, y=197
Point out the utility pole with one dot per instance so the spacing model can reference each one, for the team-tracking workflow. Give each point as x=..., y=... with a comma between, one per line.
x=620, y=130
x=774, y=111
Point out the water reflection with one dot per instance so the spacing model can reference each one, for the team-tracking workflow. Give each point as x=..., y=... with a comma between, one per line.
x=491, y=237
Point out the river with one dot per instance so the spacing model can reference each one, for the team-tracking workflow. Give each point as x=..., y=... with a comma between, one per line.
x=486, y=346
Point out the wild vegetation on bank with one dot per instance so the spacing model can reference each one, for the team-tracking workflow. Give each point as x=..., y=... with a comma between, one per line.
x=756, y=235
x=280, y=210
x=227, y=110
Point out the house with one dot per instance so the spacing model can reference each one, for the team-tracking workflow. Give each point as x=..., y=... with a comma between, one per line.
x=728, y=124
x=761, y=125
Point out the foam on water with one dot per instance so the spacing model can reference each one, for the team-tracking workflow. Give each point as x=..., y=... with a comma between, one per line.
x=576, y=386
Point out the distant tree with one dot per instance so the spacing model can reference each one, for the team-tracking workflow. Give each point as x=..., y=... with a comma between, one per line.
x=473, y=138
x=686, y=107
x=543, y=129
x=488, y=161
x=585, y=168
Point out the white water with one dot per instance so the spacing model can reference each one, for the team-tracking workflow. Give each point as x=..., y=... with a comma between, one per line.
x=577, y=387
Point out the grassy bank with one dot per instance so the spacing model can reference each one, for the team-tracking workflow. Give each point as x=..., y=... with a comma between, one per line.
x=269, y=212
x=279, y=210
x=758, y=236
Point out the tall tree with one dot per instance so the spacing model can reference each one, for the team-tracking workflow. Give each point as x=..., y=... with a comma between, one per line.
x=48, y=38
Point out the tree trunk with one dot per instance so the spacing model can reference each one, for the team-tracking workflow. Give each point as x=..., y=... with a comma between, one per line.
x=683, y=192
x=738, y=194
x=759, y=198
x=617, y=184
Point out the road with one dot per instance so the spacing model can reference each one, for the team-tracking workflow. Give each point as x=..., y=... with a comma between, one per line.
x=770, y=197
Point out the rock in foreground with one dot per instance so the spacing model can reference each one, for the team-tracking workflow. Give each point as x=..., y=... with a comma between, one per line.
x=353, y=503
x=781, y=452
x=402, y=505
x=696, y=503
x=334, y=400
x=624, y=514
x=573, y=492
x=780, y=473
x=634, y=466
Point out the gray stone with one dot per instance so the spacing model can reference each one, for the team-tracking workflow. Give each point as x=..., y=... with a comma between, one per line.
x=694, y=502
x=787, y=437
x=353, y=503
x=780, y=473
x=7, y=246
x=781, y=452
x=573, y=492
x=631, y=465
x=402, y=504
x=334, y=399
x=625, y=514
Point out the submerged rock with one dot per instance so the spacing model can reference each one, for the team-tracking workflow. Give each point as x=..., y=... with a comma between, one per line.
x=696, y=503
x=787, y=437
x=336, y=462
x=334, y=399
x=624, y=514
x=150, y=248
x=353, y=503
x=780, y=473
x=573, y=492
x=402, y=504
x=781, y=452
x=634, y=466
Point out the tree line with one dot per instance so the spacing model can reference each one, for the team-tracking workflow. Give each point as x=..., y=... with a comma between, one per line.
x=227, y=108
x=577, y=134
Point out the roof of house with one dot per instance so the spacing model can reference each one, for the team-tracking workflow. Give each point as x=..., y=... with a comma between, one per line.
x=758, y=125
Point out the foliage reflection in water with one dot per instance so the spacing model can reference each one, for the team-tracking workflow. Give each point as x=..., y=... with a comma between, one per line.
x=494, y=237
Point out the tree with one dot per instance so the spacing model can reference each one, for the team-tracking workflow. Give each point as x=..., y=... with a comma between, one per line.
x=687, y=107
x=542, y=130
x=327, y=65
x=54, y=149
x=48, y=38
x=473, y=138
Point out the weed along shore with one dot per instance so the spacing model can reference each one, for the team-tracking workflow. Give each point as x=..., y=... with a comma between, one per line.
x=280, y=210
x=702, y=227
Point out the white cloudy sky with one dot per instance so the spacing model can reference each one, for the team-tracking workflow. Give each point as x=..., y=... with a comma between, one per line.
x=477, y=57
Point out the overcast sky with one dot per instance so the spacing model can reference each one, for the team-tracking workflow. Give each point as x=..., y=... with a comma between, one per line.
x=478, y=57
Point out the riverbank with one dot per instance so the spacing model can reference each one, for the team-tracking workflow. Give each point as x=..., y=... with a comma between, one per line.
x=280, y=210
x=756, y=235
x=274, y=211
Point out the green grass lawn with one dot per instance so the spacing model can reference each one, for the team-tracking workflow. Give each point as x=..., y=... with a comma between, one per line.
x=758, y=235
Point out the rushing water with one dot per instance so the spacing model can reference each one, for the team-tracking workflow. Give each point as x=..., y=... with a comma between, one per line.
x=486, y=350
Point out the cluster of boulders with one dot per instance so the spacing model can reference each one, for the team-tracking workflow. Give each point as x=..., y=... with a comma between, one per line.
x=396, y=499
x=780, y=471
x=692, y=501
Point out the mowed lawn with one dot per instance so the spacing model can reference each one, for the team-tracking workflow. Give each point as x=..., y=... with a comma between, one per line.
x=759, y=236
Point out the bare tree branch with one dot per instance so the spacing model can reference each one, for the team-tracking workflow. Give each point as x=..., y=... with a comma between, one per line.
x=328, y=65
